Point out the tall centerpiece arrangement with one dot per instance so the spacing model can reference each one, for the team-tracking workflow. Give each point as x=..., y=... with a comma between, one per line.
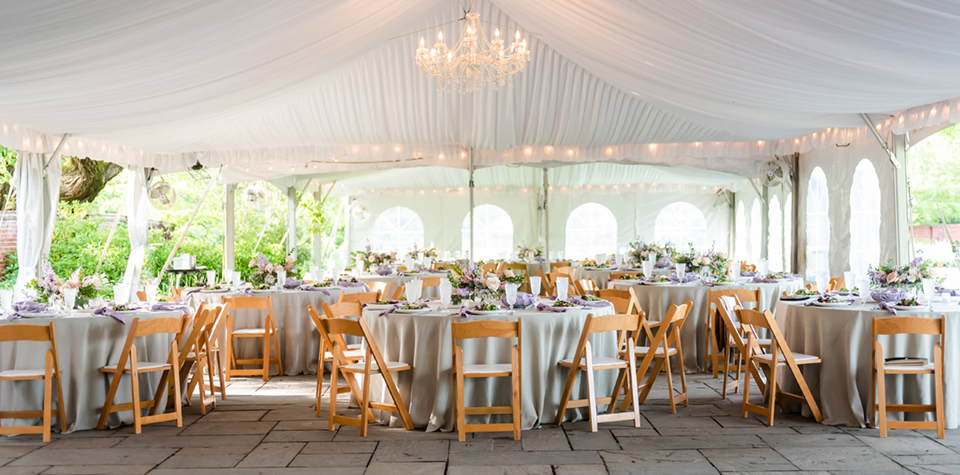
x=368, y=259
x=431, y=253
x=49, y=286
x=265, y=276
x=663, y=254
x=707, y=264
x=474, y=284
x=530, y=254
x=893, y=283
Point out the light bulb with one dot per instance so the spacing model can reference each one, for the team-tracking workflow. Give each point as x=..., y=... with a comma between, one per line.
x=469, y=30
x=496, y=32
x=421, y=41
x=440, y=36
x=518, y=35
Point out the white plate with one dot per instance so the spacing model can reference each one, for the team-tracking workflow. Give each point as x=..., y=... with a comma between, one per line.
x=129, y=312
x=629, y=281
x=218, y=291
x=487, y=312
x=795, y=297
x=659, y=284
x=914, y=308
x=39, y=315
x=831, y=305
x=377, y=307
x=414, y=312
x=268, y=291
x=724, y=284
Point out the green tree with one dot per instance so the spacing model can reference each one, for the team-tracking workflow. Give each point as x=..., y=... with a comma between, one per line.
x=933, y=167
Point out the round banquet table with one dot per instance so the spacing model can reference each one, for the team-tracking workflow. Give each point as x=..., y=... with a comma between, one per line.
x=655, y=300
x=601, y=277
x=842, y=337
x=299, y=340
x=424, y=342
x=398, y=280
x=85, y=343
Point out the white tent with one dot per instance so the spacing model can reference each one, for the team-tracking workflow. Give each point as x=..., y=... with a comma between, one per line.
x=271, y=89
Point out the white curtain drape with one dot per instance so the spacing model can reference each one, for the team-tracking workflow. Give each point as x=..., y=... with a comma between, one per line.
x=138, y=220
x=38, y=192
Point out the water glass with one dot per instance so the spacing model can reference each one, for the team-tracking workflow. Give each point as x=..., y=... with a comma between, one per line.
x=849, y=279
x=822, y=281
x=929, y=290
x=734, y=270
x=69, y=298
x=314, y=273
x=211, y=277
x=446, y=290
x=511, y=290
x=648, y=269
x=863, y=288
x=236, y=278
x=151, y=291
x=562, y=283
x=6, y=299
x=281, y=278
x=763, y=267
x=681, y=272
x=121, y=294
x=417, y=286
x=535, y=286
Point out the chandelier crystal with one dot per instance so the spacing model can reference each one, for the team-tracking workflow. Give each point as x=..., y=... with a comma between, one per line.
x=474, y=60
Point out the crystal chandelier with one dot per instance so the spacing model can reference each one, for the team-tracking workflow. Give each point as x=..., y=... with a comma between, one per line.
x=474, y=59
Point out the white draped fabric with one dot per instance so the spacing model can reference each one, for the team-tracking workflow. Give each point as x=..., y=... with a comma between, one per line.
x=38, y=191
x=299, y=83
x=138, y=223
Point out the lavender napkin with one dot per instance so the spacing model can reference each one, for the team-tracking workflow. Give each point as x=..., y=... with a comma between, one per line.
x=588, y=303
x=663, y=263
x=463, y=311
x=292, y=283
x=106, y=310
x=353, y=284
x=748, y=274
x=389, y=310
x=384, y=270
x=169, y=307
x=27, y=306
x=524, y=300
x=688, y=277
x=760, y=280
x=311, y=288
x=550, y=308
x=888, y=307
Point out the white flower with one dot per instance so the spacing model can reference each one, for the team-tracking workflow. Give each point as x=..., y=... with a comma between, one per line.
x=290, y=260
x=508, y=273
x=892, y=277
x=492, y=282
x=371, y=259
x=253, y=263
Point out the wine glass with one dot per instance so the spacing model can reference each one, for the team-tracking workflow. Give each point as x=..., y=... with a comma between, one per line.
x=562, y=283
x=681, y=272
x=535, y=286
x=446, y=290
x=511, y=290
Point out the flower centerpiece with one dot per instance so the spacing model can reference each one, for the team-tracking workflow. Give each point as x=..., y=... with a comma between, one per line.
x=663, y=254
x=891, y=283
x=88, y=286
x=372, y=260
x=710, y=263
x=530, y=253
x=265, y=276
x=431, y=253
x=49, y=286
x=473, y=284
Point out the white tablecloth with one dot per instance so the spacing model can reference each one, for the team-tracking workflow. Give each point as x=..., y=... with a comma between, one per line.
x=299, y=340
x=843, y=339
x=424, y=342
x=655, y=300
x=84, y=344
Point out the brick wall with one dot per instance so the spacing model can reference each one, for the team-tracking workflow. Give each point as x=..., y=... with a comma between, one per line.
x=935, y=233
x=8, y=233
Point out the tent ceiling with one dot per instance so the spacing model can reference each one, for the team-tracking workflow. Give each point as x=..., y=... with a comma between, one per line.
x=248, y=82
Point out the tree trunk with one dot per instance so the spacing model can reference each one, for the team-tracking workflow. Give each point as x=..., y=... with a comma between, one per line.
x=83, y=179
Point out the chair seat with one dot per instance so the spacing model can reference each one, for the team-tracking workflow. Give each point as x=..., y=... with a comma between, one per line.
x=886, y=367
x=141, y=366
x=391, y=366
x=800, y=358
x=23, y=373
x=498, y=368
x=250, y=331
x=762, y=342
x=349, y=354
x=643, y=350
x=598, y=362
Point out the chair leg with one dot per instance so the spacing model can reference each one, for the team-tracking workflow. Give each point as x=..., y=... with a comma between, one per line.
x=266, y=357
x=938, y=395
x=746, y=386
x=177, y=400
x=135, y=390
x=673, y=404
x=332, y=392
x=220, y=374
x=213, y=390
x=726, y=371
x=231, y=358
x=567, y=390
x=773, y=387
x=47, y=395
x=591, y=389
x=365, y=404
x=622, y=381
x=460, y=406
x=630, y=373
x=320, y=378
x=515, y=380
x=276, y=350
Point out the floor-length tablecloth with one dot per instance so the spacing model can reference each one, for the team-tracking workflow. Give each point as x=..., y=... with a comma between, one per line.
x=424, y=342
x=85, y=343
x=299, y=340
x=656, y=300
x=843, y=337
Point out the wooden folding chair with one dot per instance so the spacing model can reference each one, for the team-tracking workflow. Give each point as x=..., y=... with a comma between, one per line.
x=489, y=267
x=373, y=363
x=197, y=355
x=882, y=367
x=727, y=304
x=49, y=373
x=267, y=333
x=584, y=360
x=663, y=345
x=353, y=353
x=615, y=276
x=443, y=266
x=178, y=293
x=429, y=282
x=711, y=343
x=128, y=364
x=619, y=298
x=547, y=287
x=398, y=294
x=836, y=283
x=141, y=296
x=553, y=276
x=563, y=270
x=359, y=297
x=557, y=265
x=461, y=371
x=780, y=355
x=586, y=287
x=382, y=289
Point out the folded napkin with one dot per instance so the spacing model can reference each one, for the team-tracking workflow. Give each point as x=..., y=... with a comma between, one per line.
x=663, y=263
x=888, y=307
x=27, y=306
x=463, y=311
x=950, y=292
x=311, y=288
x=107, y=311
x=748, y=274
x=550, y=308
x=524, y=300
x=292, y=283
x=761, y=280
x=169, y=307
x=688, y=277
x=587, y=303
x=343, y=283
x=389, y=310
x=384, y=270
x=392, y=302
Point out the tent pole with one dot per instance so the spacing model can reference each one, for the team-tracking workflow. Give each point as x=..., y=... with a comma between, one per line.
x=229, y=226
x=56, y=151
x=883, y=143
x=472, y=254
x=291, y=219
x=186, y=228
x=546, y=221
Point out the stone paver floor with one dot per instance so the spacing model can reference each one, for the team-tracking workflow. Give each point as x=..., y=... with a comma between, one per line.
x=272, y=429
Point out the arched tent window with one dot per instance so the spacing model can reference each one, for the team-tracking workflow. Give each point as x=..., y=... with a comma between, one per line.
x=788, y=232
x=591, y=230
x=492, y=233
x=864, y=219
x=818, y=225
x=397, y=229
x=756, y=231
x=740, y=250
x=775, y=251
x=679, y=224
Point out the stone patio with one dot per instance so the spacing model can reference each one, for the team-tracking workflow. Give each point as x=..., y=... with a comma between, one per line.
x=272, y=429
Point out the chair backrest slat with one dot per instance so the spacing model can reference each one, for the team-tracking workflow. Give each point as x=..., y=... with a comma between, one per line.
x=16, y=332
x=615, y=322
x=344, y=309
x=255, y=303
x=154, y=326
x=907, y=326
x=619, y=298
x=430, y=282
x=359, y=298
x=485, y=329
x=342, y=326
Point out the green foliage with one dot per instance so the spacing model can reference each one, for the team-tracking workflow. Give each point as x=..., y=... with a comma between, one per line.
x=10, y=267
x=934, y=172
x=78, y=240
